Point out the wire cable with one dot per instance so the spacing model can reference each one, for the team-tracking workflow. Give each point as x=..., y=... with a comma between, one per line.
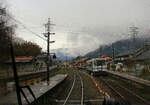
x=27, y=28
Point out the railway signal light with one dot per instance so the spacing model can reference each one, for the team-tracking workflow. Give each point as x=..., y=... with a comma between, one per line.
x=54, y=56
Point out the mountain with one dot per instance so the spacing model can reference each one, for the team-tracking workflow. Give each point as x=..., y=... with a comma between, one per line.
x=119, y=47
x=61, y=54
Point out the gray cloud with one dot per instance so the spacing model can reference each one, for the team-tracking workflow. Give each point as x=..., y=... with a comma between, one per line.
x=92, y=22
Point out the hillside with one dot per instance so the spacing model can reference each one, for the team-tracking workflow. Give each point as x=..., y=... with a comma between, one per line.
x=119, y=46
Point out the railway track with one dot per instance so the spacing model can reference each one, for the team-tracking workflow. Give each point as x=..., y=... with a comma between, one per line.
x=123, y=93
x=82, y=89
x=77, y=78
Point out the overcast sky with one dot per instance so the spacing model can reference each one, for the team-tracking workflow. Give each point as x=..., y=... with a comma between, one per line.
x=81, y=25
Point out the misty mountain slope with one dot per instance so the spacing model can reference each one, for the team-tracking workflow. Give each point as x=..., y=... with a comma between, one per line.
x=119, y=46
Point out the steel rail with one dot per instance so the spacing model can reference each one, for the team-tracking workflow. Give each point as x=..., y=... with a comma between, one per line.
x=134, y=94
x=122, y=97
x=130, y=92
x=82, y=89
x=98, y=87
x=70, y=90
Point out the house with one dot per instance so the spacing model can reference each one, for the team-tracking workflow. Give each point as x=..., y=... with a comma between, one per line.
x=40, y=62
x=65, y=64
x=23, y=63
x=80, y=62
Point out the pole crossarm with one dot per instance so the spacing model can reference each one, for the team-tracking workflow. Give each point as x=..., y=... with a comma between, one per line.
x=52, y=41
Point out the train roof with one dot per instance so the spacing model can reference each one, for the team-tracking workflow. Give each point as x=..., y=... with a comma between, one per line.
x=95, y=59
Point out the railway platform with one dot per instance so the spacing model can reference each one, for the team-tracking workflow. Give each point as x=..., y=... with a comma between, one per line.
x=130, y=77
x=38, y=89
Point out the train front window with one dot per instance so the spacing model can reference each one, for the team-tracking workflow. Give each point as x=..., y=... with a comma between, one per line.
x=100, y=62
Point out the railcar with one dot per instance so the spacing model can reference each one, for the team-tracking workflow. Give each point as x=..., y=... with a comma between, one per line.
x=97, y=66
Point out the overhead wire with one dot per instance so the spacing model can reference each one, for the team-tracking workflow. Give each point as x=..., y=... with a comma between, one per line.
x=17, y=21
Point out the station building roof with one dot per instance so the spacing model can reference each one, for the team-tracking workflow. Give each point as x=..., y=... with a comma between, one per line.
x=145, y=55
x=22, y=59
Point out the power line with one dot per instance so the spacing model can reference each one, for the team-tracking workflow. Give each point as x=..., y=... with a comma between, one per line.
x=17, y=21
x=27, y=28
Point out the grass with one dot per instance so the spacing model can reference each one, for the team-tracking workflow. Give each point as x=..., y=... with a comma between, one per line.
x=61, y=72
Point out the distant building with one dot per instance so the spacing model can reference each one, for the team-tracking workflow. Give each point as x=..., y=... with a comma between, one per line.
x=80, y=62
x=106, y=57
x=40, y=62
x=124, y=56
x=143, y=59
x=132, y=54
x=132, y=58
x=65, y=64
x=23, y=63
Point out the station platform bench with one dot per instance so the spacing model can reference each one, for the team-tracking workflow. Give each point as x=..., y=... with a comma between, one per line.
x=38, y=89
x=130, y=77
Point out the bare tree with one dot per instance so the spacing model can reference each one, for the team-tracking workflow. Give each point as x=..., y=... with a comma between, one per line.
x=5, y=36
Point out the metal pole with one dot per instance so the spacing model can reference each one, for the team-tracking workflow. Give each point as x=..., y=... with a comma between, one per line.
x=113, y=52
x=15, y=75
x=47, y=26
x=48, y=48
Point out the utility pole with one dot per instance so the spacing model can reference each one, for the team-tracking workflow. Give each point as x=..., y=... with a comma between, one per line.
x=113, y=51
x=100, y=51
x=47, y=34
x=66, y=61
x=134, y=32
x=15, y=71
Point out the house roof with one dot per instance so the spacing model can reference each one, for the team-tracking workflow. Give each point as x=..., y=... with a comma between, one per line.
x=106, y=57
x=22, y=59
x=83, y=59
